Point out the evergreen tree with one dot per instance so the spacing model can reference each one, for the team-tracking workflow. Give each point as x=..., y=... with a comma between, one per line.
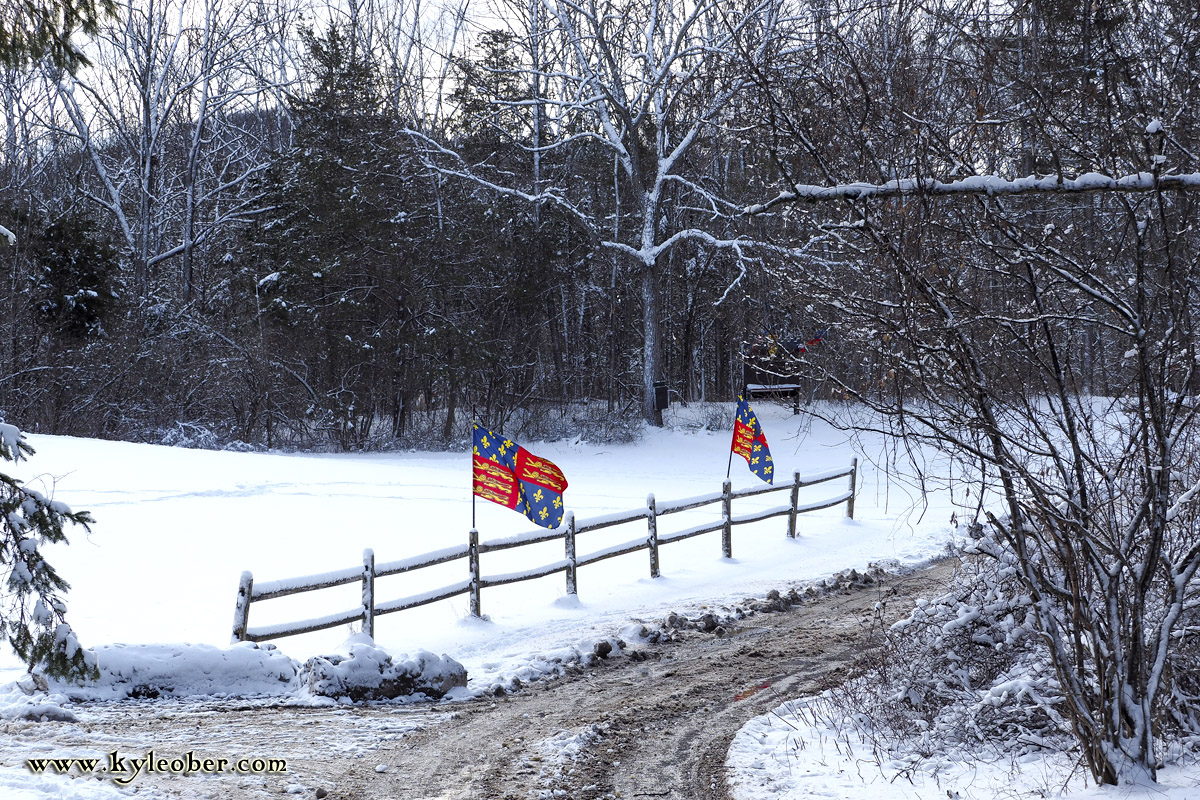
x=75, y=271
x=33, y=30
x=337, y=246
x=33, y=614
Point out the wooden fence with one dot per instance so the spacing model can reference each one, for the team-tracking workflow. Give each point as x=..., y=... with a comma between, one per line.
x=249, y=591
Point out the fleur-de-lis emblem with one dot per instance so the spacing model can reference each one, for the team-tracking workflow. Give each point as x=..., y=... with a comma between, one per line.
x=544, y=513
x=485, y=442
x=538, y=497
x=558, y=503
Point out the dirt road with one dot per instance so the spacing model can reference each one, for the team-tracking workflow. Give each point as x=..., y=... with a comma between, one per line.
x=654, y=720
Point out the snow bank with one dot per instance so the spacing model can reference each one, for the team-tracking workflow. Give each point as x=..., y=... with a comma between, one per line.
x=184, y=670
x=29, y=699
x=368, y=672
x=792, y=753
x=360, y=671
x=16, y=783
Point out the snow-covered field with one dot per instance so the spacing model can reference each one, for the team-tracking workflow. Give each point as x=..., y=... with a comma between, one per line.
x=175, y=529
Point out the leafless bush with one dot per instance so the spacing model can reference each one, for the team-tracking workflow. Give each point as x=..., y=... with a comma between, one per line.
x=968, y=673
x=702, y=416
x=963, y=671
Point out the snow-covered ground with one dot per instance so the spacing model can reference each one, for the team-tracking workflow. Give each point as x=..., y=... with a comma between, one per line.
x=793, y=754
x=175, y=529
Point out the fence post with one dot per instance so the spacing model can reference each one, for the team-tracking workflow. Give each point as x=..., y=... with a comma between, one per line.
x=368, y=593
x=652, y=534
x=572, y=563
x=795, y=503
x=473, y=566
x=853, y=489
x=241, y=611
x=727, y=510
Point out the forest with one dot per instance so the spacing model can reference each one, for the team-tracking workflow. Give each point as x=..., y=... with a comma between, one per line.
x=353, y=225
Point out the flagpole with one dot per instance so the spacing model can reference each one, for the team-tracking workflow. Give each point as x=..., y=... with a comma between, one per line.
x=729, y=466
x=474, y=422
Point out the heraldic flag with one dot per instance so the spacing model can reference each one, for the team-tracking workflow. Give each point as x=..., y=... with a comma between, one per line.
x=750, y=442
x=508, y=474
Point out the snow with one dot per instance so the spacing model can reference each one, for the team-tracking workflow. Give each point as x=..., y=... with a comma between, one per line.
x=688, y=533
x=676, y=505
x=420, y=599
x=184, y=670
x=261, y=590
x=981, y=184
x=26, y=700
x=793, y=754
x=528, y=537
x=364, y=671
x=525, y=574
x=312, y=624
x=615, y=550
x=19, y=784
x=176, y=527
x=155, y=582
x=9, y=435
x=405, y=564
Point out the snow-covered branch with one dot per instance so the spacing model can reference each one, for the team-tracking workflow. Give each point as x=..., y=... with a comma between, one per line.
x=991, y=185
x=466, y=173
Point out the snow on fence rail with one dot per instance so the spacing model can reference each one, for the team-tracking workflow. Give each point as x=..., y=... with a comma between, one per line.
x=249, y=591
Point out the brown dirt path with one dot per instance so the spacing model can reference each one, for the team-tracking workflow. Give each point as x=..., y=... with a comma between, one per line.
x=658, y=727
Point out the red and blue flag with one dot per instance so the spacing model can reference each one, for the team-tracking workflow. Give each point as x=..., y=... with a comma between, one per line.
x=750, y=442
x=506, y=473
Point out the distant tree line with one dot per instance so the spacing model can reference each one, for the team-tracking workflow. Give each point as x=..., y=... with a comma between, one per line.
x=354, y=224
x=236, y=224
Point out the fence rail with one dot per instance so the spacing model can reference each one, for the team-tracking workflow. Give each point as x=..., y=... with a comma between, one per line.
x=249, y=592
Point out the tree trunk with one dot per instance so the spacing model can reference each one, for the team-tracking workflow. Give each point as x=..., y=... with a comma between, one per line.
x=652, y=342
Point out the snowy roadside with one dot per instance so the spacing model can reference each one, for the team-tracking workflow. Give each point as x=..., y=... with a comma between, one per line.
x=656, y=713
x=164, y=704
x=175, y=528
x=791, y=753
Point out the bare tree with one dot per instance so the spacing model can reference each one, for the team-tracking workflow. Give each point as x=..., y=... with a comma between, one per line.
x=967, y=308
x=172, y=121
x=645, y=85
